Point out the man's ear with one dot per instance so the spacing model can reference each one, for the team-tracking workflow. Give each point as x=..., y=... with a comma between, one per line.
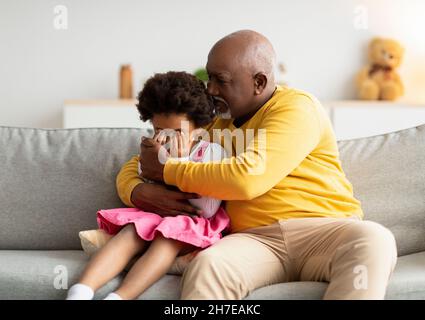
x=260, y=83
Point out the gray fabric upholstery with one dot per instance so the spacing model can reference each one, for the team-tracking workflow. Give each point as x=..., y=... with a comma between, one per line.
x=53, y=182
x=408, y=280
x=33, y=274
x=388, y=175
x=30, y=274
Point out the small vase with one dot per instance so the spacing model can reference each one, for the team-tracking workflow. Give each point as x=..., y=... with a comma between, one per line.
x=126, y=82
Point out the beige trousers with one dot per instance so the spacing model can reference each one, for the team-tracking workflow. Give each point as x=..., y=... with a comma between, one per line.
x=356, y=258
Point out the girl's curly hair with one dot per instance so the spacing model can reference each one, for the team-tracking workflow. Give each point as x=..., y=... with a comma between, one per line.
x=176, y=92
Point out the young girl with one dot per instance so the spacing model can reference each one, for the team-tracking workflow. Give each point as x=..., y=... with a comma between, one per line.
x=167, y=100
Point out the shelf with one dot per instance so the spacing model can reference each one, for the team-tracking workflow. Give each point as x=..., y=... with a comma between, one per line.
x=101, y=114
x=358, y=118
x=350, y=118
x=373, y=104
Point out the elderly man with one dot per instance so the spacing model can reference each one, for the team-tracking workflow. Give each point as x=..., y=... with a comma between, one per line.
x=292, y=210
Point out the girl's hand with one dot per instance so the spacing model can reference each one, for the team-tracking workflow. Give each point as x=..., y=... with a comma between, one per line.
x=161, y=137
x=180, y=145
x=176, y=143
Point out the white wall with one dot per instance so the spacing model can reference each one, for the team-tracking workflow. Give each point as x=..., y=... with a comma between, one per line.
x=317, y=40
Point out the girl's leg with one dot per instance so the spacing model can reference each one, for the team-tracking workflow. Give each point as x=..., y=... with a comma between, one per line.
x=110, y=260
x=150, y=267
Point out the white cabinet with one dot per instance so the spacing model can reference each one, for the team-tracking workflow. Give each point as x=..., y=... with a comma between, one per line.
x=350, y=119
x=355, y=119
x=101, y=114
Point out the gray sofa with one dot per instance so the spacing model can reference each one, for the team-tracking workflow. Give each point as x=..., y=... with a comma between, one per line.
x=52, y=182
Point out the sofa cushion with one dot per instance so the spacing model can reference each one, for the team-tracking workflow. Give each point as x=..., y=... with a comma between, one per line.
x=31, y=275
x=388, y=175
x=37, y=274
x=54, y=181
x=407, y=282
x=43, y=275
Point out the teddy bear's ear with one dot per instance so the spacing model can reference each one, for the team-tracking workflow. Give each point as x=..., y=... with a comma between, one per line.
x=374, y=42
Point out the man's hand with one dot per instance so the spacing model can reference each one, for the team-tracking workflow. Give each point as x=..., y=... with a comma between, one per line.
x=158, y=199
x=152, y=168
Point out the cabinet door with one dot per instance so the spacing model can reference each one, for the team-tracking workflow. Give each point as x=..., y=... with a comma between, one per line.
x=102, y=114
x=362, y=121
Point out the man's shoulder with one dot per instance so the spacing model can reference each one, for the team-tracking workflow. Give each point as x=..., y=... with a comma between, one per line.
x=291, y=99
x=290, y=96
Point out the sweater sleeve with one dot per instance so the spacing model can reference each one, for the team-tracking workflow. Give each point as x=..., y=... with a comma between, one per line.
x=127, y=179
x=287, y=134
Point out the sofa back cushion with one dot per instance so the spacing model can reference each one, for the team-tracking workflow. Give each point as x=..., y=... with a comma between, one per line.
x=388, y=175
x=52, y=182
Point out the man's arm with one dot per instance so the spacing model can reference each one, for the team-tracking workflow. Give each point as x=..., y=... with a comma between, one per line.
x=291, y=134
x=151, y=197
x=127, y=180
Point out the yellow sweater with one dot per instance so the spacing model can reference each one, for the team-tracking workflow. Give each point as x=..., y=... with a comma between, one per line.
x=290, y=169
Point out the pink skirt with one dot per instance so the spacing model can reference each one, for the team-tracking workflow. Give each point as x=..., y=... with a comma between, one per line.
x=198, y=231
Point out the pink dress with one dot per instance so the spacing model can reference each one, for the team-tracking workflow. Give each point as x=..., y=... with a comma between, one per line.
x=198, y=231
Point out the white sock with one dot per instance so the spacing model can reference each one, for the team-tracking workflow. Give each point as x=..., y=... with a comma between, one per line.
x=80, y=291
x=112, y=296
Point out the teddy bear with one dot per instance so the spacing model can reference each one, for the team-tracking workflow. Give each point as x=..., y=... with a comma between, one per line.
x=379, y=80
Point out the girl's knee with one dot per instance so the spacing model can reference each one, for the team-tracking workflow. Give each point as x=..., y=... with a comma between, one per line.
x=162, y=241
x=129, y=229
x=130, y=236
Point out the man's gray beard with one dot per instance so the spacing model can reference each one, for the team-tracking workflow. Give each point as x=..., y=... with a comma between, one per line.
x=225, y=115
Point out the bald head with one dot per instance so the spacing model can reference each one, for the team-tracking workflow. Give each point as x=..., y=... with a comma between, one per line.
x=247, y=50
x=241, y=73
